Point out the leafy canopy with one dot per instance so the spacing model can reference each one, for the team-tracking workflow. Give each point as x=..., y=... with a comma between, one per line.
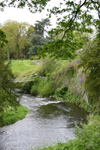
x=34, y=5
x=90, y=61
x=38, y=37
x=16, y=34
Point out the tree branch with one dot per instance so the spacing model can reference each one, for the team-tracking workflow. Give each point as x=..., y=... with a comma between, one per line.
x=73, y=18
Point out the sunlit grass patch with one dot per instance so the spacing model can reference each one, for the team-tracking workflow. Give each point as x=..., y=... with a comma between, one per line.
x=23, y=68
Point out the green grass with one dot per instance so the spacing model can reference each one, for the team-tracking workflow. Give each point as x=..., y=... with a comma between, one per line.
x=63, y=62
x=23, y=68
x=12, y=115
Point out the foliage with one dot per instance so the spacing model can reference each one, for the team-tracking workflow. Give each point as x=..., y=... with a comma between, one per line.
x=77, y=17
x=34, y=57
x=75, y=20
x=46, y=88
x=3, y=39
x=30, y=31
x=90, y=61
x=12, y=115
x=48, y=66
x=34, y=89
x=66, y=72
x=41, y=86
x=38, y=37
x=6, y=85
x=26, y=86
x=65, y=49
x=33, y=5
x=60, y=92
x=41, y=26
x=17, y=38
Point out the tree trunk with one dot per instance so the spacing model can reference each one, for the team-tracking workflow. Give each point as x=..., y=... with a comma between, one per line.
x=8, y=55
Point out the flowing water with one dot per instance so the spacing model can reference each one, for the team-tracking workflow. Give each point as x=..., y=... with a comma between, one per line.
x=48, y=122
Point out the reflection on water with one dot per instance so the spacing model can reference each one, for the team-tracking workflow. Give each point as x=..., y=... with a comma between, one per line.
x=48, y=122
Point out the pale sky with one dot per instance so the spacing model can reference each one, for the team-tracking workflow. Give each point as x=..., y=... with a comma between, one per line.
x=24, y=15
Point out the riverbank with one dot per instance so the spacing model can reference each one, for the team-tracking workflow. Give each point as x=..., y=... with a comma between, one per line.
x=87, y=138
x=66, y=82
x=12, y=115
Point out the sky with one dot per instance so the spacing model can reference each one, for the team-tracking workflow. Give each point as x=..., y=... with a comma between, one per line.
x=24, y=15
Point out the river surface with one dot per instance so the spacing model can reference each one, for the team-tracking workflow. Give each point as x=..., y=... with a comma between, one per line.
x=48, y=122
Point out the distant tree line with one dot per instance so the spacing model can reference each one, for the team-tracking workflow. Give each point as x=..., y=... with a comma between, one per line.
x=24, y=39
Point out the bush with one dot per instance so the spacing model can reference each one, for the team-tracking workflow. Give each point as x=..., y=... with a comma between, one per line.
x=27, y=86
x=34, y=58
x=46, y=88
x=60, y=92
x=48, y=66
x=34, y=90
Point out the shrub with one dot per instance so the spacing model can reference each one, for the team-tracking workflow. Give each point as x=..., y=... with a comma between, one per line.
x=27, y=86
x=70, y=70
x=34, y=58
x=48, y=66
x=34, y=90
x=46, y=88
x=60, y=92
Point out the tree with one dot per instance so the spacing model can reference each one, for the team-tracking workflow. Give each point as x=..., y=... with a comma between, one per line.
x=7, y=86
x=39, y=38
x=77, y=17
x=17, y=38
x=30, y=31
x=40, y=26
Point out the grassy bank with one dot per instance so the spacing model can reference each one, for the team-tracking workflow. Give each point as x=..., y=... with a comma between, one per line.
x=23, y=68
x=12, y=115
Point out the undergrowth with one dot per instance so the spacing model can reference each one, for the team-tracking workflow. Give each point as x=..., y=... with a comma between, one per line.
x=43, y=87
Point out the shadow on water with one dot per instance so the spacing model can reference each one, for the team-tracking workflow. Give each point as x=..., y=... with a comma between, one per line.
x=72, y=113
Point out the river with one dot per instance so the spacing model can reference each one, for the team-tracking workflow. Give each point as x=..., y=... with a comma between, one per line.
x=48, y=122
